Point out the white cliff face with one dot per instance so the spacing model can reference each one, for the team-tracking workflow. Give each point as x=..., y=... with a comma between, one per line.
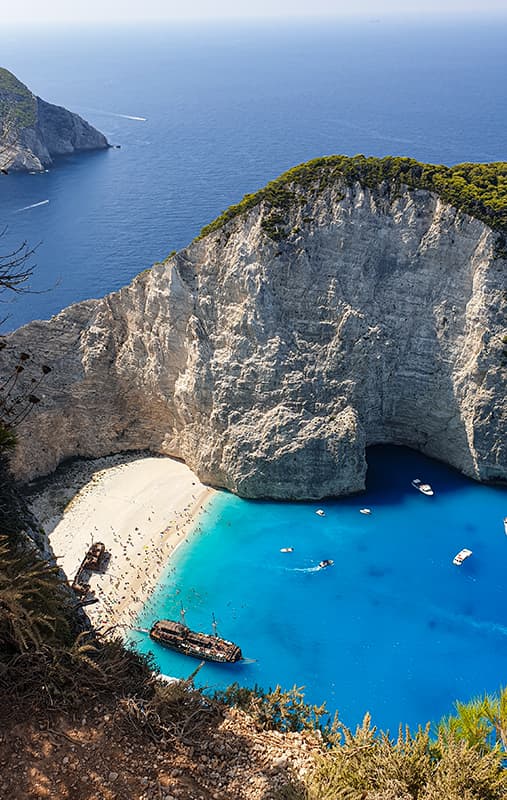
x=269, y=366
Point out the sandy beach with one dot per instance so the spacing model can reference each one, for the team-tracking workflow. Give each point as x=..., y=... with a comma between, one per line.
x=140, y=507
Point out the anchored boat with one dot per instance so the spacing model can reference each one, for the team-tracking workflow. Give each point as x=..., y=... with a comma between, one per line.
x=179, y=637
x=461, y=556
x=425, y=488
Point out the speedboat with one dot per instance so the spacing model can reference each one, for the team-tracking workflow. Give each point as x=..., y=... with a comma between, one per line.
x=425, y=488
x=461, y=556
x=505, y=525
x=365, y=510
x=326, y=563
x=286, y=549
x=320, y=512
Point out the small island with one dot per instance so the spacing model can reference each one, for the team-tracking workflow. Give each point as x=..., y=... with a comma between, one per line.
x=33, y=132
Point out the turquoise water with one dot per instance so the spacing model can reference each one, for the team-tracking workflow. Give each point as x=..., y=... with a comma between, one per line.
x=392, y=627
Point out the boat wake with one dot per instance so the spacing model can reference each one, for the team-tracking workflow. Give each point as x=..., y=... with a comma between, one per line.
x=34, y=205
x=305, y=569
x=437, y=616
x=482, y=625
x=115, y=114
x=460, y=620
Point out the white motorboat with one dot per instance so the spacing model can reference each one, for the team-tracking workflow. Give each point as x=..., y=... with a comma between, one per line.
x=286, y=549
x=461, y=556
x=505, y=525
x=425, y=488
x=365, y=510
x=320, y=512
x=327, y=562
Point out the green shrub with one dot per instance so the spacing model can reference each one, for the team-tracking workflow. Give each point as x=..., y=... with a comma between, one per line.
x=281, y=710
x=32, y=601
x=371, y=766
x=18, y=106
x=478, y=189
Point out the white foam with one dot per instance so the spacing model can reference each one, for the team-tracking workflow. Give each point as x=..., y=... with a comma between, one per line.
x=305, y=569
x=115, y=114
x=34, y=205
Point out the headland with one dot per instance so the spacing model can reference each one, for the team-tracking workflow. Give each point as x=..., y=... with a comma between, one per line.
x=33, y=132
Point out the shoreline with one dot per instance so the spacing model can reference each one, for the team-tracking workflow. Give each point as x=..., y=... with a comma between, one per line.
x=126, y=612
x=142, y=508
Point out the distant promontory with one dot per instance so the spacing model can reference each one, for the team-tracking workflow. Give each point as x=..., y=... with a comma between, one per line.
x=32, y=131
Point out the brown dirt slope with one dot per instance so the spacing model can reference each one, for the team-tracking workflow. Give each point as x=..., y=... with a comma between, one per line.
x=97, y=757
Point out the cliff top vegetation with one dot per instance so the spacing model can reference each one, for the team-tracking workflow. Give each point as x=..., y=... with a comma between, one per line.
x=17, y=103
x=10, y=83
x=477, y=189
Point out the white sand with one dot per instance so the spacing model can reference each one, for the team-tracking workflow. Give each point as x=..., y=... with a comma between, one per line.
x=140, y=509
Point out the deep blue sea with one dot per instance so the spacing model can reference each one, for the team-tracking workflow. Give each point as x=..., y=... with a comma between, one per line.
x=392, y=627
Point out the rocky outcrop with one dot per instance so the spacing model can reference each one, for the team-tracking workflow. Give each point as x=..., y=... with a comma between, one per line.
x=33, y=132
x=269, y=362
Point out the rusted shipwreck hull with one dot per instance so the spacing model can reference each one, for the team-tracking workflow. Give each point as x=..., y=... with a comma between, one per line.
x=93, y=558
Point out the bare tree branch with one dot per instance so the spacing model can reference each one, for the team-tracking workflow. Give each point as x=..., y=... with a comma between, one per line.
x=15, y=269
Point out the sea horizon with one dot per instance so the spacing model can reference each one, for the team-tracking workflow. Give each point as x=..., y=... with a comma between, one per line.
x=406, y=16
x=205, y=118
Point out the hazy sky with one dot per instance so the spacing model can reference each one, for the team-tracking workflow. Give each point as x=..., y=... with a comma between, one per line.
x=131, y=10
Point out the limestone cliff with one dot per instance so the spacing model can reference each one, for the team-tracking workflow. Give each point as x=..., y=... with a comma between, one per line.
x=32, y=131
x=269, y=353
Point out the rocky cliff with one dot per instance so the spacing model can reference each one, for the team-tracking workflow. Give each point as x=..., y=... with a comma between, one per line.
x=32, y=131
x=273, y=350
